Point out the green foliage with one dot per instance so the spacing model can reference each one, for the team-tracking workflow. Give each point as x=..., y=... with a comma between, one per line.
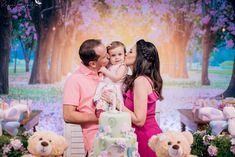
x=226, y=64
x=5, y=140
x=204, y=139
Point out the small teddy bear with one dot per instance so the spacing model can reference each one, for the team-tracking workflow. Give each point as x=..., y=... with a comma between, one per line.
x=172, y=144
x=46, y=144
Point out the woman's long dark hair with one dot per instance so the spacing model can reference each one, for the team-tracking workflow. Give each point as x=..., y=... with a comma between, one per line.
x=146, y=64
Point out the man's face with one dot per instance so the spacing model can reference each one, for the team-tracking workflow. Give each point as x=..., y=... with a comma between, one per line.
x=103, y=56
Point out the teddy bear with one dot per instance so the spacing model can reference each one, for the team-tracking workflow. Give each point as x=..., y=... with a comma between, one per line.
x=172, y=144
x=46, y=144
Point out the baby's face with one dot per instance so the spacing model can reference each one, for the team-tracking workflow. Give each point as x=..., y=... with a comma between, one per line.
x=117, y=55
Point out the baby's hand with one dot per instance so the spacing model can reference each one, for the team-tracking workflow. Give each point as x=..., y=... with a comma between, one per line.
x=103, y=70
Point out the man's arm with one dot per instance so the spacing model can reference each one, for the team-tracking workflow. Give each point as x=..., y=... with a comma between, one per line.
x=73, y=116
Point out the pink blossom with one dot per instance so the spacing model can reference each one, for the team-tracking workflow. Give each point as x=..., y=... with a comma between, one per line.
x=107, y=129
x=214, y=29
x=35, y=37
x=207, y=1
x=215, y=49
x=6, y=148
x=212, y=150
x=14, y=10
x=233, y=32
x=206, y=19
x=229, y=43
x=16, y=144
x=232, y=149
x=26, y=24
x=15, y=17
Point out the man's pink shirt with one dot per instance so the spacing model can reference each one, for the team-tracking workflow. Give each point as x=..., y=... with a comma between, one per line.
x=79, y=90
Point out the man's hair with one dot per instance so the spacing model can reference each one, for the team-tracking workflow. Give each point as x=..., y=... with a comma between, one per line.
x=87, y=52
x=116, y=44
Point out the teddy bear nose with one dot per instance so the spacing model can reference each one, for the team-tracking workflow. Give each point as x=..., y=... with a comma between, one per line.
x=175, y=147
x=44, y=143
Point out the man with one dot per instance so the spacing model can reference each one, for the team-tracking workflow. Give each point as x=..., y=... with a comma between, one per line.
x=80, y=88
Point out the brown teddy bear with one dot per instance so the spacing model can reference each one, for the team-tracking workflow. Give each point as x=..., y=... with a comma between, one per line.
x=46, y=144
x=172, y=144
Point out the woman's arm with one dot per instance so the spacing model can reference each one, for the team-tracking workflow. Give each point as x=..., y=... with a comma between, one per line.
x=141, y=90
x=122, y=70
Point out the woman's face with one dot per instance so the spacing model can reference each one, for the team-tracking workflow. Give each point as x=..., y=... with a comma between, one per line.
x=131, y=57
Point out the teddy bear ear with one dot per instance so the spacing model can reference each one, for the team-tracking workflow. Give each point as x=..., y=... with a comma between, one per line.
x=188, y=135
x=153, y=141
x=61, y=142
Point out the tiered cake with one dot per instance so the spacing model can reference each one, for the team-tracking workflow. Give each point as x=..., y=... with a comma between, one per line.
x=115, y=137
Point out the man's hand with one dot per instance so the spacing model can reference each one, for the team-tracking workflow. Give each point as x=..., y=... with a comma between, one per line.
x=107, y=96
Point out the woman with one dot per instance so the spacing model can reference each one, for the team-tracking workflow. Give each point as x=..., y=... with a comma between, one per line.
x=143, y=89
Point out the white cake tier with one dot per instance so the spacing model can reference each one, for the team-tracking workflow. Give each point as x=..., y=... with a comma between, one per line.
x=115, y=147
x=116, y=124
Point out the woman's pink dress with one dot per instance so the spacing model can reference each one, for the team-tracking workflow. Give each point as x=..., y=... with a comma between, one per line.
x=150, y=127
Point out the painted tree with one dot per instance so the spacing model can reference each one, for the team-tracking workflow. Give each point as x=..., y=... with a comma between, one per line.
x=49, y=21
x=23, y=29
x=5, y=46
x=217, y=23
x=230, y=91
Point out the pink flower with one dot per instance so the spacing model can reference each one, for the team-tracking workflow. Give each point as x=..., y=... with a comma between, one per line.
x=205, y=19
x=107, y=129
x=16, y=144
x=6, y=149
x=233, y=32
x=215, y=49
x=229, y=43
x=212, y=150
x=35, y=37
x=15, y=17
x=232, y=149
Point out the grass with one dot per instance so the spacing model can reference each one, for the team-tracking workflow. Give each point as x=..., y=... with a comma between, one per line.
x=53, y=92
x=221, y=72
x=37, y=92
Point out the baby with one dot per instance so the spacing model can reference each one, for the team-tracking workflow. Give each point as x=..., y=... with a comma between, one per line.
x=113, y=76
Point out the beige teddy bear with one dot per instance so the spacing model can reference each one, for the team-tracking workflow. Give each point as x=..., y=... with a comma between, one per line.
x=46, y=144
x=172, y=144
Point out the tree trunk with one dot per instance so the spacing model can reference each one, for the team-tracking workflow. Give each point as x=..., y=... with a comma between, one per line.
x=207, y=47
x=43, y=27
x=15, y=61
x=55, y=70
x=68, y=52
x=5, y=46
x=230, y=91
x=27, y=61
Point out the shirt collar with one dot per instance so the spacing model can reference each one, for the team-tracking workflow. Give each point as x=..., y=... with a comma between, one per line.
x=86, y=71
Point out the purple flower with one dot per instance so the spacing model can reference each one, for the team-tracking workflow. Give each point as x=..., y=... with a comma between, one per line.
x=121, y=143
x=212, y=150
x=229, y=43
